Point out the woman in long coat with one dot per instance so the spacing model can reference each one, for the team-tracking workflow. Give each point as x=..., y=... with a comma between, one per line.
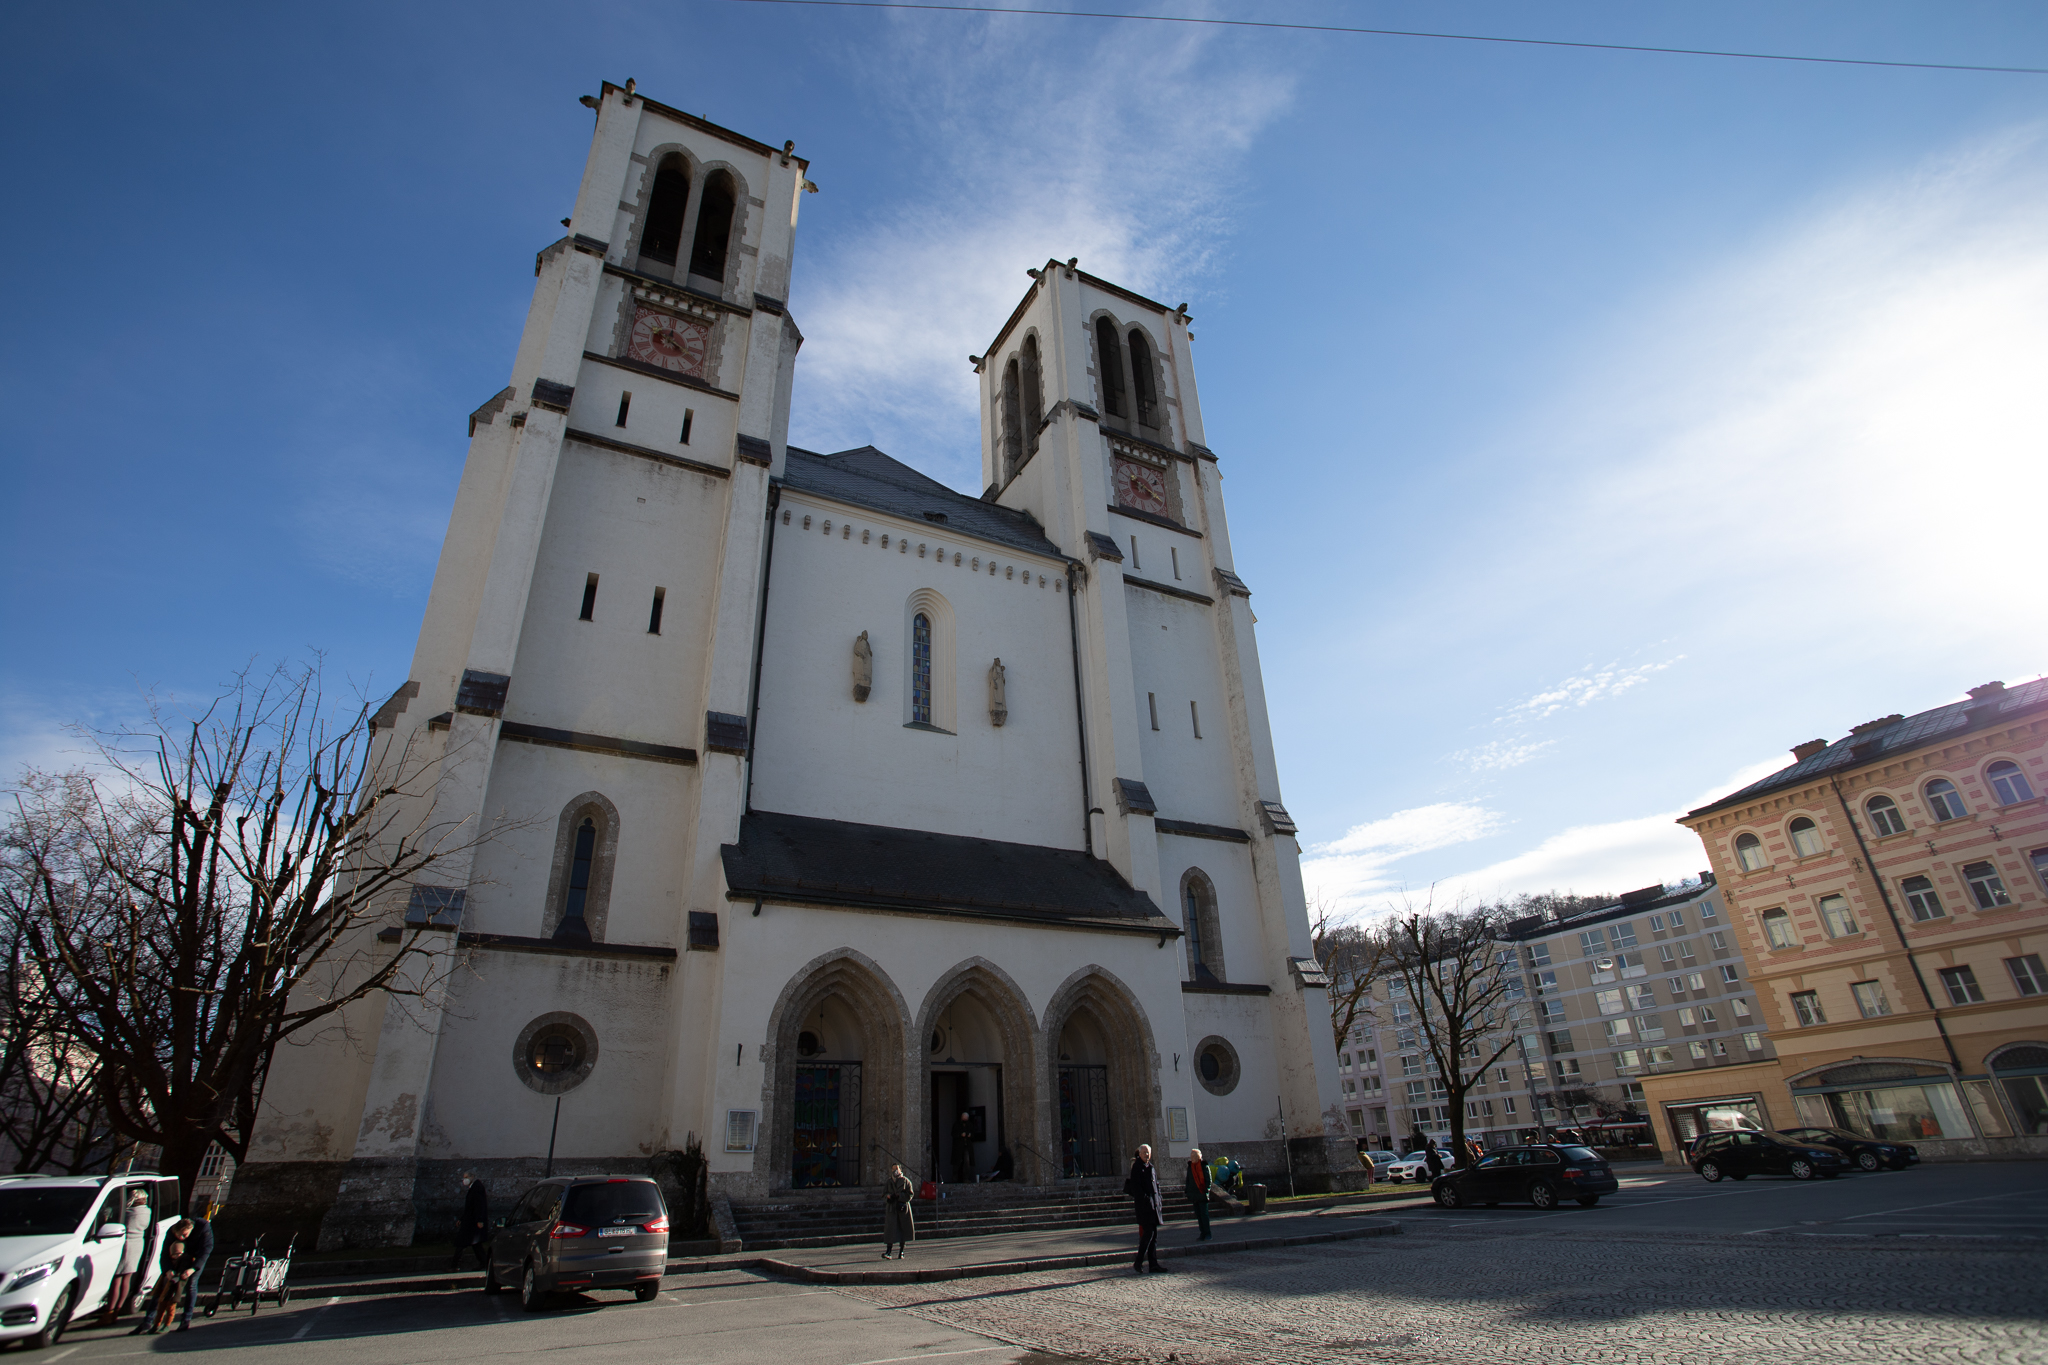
x=897, y=1229
x=1142, y=1185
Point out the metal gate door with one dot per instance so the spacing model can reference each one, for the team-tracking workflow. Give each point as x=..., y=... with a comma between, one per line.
x=1084, y=1122
x=826, y=1145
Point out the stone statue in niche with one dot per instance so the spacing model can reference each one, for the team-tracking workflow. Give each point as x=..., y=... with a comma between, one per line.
x=863, y=668
x=998, y=701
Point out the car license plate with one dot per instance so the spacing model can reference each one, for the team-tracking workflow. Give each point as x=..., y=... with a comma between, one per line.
x=615, y=1232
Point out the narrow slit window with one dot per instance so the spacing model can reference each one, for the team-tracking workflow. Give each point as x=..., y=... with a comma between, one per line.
x=1134, y=555
x=689, y=416
x=625, y=406
x=1152, y=704
x=654, y=612
x=1195, y=715
x=1173, y=553
x=589, y=612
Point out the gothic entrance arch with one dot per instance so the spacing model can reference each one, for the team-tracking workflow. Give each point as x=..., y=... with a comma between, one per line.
x=835, y=1099
x=981, y=1092
x=1104, y=1071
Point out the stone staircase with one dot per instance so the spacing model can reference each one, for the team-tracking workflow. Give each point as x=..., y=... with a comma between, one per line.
x=840, y=1217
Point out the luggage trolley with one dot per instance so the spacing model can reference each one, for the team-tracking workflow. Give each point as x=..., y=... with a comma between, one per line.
x=252, y=1275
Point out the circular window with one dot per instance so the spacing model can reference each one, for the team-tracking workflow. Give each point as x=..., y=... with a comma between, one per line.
x=1216, y=1066
x=807, y=1044
x=555, y=1053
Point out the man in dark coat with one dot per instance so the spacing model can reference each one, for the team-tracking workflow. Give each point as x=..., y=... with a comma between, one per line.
x=198, y=1246
x=1142, y=1185
x=1435, y=1159
x=963, y=1147
x=473, y=1228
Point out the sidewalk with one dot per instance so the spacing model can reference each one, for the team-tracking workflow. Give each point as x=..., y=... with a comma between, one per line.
x=949, y=1258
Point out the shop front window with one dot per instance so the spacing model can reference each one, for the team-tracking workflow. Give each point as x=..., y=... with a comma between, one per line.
x=1905, y=1113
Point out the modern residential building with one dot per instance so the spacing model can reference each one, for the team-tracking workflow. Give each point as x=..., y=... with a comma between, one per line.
x=1651, y=992
x=1891, y=893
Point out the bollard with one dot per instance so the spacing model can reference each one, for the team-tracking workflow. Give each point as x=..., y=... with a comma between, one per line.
x=1255, y=1199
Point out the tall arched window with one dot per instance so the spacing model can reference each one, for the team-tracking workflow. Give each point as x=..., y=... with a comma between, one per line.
x=921, y=669
x=1033, y=397
x=714, y=227
x=577, y=893
x=1805, y=838
x=1013, y=422
x=1142, y=386
x=1884, y=816
x=1944, y=801
x=670, y=195
x=1204, y=928
x=1749, y=851
x=580, y=882
x=2009, y=783
x=1109, y=360
x=1922, y=899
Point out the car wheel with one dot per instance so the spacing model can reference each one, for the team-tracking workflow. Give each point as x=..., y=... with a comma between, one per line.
x=1446, y=1196
x=1868, y=1160
x=1587, y=1201
x=529, y=1290
x=646, y=1292
x=1710, y=1172
x=60, y=1318
x=1801, y=1168
x=491, y=1285
x=1542, y=1196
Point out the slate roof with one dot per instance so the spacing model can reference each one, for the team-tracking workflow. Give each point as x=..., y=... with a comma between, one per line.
x=1909, y=732
x=836, y=862
x=868, y=478
x=1540, y=926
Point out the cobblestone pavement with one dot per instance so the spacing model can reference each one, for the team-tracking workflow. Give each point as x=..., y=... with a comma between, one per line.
x=1573, y=1298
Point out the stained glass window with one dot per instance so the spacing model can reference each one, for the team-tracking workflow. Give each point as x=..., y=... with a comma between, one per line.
x=921, y=669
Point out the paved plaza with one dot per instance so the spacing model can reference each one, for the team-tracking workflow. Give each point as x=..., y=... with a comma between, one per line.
x=1946, y=1263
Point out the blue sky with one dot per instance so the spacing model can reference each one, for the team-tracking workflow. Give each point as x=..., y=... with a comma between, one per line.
x=1595, y=426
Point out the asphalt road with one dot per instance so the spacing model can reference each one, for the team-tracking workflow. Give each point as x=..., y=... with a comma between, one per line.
x=1963, y=1199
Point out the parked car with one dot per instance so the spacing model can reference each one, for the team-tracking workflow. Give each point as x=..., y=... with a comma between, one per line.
x=61, y=1239
x=1410, y=1167
x=1381, y=1162
x=1742, y=1155
x=1541, y=1175
x=581, y=1232
x=1868, y=1153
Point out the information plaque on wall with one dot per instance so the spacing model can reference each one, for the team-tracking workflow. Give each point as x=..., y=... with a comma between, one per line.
x=1176, y=1125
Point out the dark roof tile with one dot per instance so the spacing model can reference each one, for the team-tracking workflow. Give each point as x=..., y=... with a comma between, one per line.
x=868, y=478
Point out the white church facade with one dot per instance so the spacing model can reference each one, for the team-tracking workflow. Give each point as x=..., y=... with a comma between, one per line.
x=830, y=804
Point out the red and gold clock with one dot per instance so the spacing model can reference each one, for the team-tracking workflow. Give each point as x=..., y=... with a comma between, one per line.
x=1140, y=486
x=669, y=342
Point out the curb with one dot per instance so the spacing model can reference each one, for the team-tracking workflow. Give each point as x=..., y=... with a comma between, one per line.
x=812, y=1275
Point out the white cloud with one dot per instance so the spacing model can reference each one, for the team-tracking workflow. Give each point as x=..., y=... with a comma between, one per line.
x=1590, y=685
x=1345, y=871
x=1036, y=151
x=1501, y=754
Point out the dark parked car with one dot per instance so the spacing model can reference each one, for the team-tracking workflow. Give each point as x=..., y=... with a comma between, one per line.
x=1540, y=1175
x=1868, y=1153
x=1742, y=1155
x=581, y=1232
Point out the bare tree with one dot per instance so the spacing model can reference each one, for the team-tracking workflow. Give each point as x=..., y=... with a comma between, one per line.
x=1449, y=965
x=211, y=888
x=1354, y=957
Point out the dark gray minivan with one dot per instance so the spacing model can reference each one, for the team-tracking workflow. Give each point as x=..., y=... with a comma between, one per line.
x=581, y=1232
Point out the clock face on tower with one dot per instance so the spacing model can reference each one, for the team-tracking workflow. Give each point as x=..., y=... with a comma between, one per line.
x=1140, y=486
x=669, y=342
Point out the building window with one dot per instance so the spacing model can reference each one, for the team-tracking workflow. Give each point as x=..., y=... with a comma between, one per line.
x=1921, y=899
x=1013, y=422
x=1753, y=1041
x=2040, y=860
x=1718, y=941
x=1642, y=997
x=1033, y=396
x=1141, y=380
x=1706, y=909
x=921, y=669
x=1687, y=1018
x=665, y=204
x=1649, y=1027
x=1695, y=981
x=578, y=891
x=1698, y=1051
x=1834, y=914
x=1560, y=1041
x=1624, y=935
x=2027, y=976
x=1870, y=999
x=1729, y=974
x=1411, y=1065
x=1658, y=1056
x=2009, y=782
x=1884, y=816
x=1749, y=852
x=1740, y=1006
x=1720, y=1048
x=589, y=612
x=1676, y=919
x=714, y=227
x=1567, y=1068
x=1205, y=931
x=1944, y=800
x=1778, y=930
x=1806, y=838
x=1610, y=1001
x=1593, y=942
x=1668, y=955
x=1806, y=1008
x=625, y=406
x=1706, y=1014
x=654, y=612
x=1539, y=954
x=1619, y=1030
x=1152, y=704
x=1985, y=887
x=1109, y=363
x=1962, y=986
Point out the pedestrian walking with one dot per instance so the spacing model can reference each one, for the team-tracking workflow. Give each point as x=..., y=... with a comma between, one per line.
x=897, y=1229
x=1142, y=1185
x=136, y=1218
x=473, y=1226
x=1371, y=1171
x=198, y=1246
x=1434, y=1159
x=1197, y=1188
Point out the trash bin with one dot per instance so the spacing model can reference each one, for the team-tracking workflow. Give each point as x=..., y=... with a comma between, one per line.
x=1255, y=1199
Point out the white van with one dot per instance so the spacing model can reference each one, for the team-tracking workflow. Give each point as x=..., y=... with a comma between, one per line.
x=61, y=1239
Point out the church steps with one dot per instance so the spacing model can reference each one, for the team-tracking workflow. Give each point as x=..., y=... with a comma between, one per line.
x=840, y=1217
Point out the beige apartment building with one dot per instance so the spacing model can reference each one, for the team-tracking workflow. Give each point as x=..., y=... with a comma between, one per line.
x=1889, y=891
